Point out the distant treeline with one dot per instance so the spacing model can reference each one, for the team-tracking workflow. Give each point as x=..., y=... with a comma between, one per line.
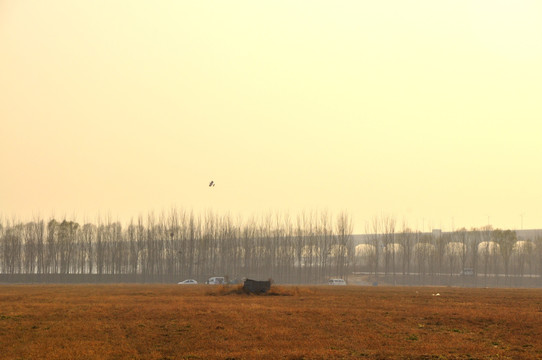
x=476, y=257
x=309, y=248
x=183, y=245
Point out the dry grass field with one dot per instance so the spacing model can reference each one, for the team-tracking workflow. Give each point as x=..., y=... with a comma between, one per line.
x=206, y=322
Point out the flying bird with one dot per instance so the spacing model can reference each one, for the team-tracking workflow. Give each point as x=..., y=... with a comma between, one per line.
x=212, y=183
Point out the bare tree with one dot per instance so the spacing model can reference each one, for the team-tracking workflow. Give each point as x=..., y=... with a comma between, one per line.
x=424, y=252
x=344, y=241
x=66, y=244
x=388, y=241
x=506, y=240
x=88, y=238
x=12, y=250
x=406, y=240
x=51, y=257
x=373, y=231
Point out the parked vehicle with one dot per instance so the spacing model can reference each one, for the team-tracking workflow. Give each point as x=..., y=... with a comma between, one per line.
x=216, y=280
x=188, y=282
x=336, y=282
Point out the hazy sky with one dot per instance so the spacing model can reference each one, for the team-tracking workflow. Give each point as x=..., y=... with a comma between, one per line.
x=428, y=111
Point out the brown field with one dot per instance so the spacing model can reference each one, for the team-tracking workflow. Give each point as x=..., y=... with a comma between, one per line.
x=206, y=322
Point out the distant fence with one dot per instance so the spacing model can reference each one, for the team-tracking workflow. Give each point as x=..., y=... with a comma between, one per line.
x=85, y=278
x=449, y=280
x=355, y=279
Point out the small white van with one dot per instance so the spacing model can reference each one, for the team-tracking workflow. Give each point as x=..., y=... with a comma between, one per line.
x=336, y=282
x=216, y=280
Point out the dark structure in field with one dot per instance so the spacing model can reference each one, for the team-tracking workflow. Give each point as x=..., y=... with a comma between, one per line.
x=256, y=287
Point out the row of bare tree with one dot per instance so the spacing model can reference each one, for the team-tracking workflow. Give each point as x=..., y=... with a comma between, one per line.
x=476, y=252
x=179, y=245
x=309, y=248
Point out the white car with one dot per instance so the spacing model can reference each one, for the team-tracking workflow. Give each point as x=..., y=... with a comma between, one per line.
x=336, y=282
x=216, y=280
x=188, y=282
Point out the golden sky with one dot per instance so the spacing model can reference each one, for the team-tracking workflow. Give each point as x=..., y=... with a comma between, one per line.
x=428, y=111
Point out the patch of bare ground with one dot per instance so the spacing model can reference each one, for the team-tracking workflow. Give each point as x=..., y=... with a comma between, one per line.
x=291, y=322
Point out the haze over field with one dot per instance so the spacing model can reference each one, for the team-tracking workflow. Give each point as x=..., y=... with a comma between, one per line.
x=427, y=111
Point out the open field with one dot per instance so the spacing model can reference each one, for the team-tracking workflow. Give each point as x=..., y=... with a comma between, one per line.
x=206, y=322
